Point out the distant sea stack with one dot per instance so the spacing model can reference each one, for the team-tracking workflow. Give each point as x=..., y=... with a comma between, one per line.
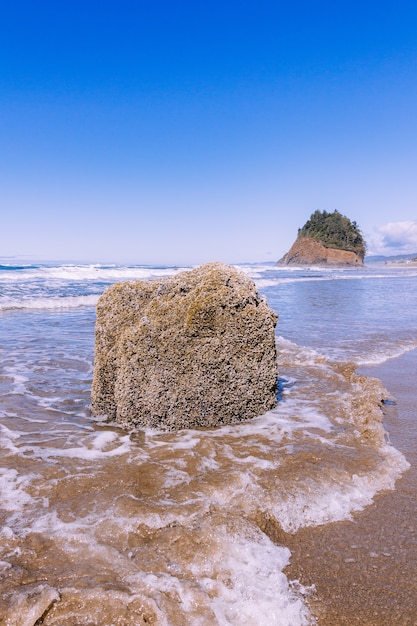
x=327, y=239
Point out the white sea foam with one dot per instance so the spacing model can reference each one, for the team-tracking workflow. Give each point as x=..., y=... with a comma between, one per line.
x=18, y=380
x=13, y=494
x=236, y=572
x=251, y=485
x=63, y=302
x=104, y=439
x=316, y=503
x=48, y=287
x=378, y=357
x=102, y=446
x=89, y=272
x=234, y=578
x=29, y=608
x=250, y=586
x=9, y=440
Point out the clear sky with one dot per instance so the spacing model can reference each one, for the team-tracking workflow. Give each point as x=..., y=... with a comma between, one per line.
x=183, y=132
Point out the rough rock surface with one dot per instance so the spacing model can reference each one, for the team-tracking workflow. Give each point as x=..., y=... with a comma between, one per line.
x=309, y=251
x=195, y=349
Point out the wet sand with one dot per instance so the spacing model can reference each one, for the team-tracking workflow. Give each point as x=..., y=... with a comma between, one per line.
x=365, y=570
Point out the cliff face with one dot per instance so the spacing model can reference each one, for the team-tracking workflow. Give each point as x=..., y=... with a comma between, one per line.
x=309, y=251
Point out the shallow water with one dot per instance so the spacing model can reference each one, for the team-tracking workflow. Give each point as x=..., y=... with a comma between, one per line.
x=103, y=526
x=365, y=572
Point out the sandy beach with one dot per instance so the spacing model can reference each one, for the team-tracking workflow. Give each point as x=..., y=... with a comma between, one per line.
x=365, y=570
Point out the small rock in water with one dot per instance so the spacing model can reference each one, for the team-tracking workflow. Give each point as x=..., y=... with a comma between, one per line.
x=195, y=349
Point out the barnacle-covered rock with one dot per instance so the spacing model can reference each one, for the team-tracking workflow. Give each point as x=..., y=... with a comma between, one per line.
x=196, y=349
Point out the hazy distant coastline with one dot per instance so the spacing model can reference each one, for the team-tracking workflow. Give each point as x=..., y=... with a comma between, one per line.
x=399, y=259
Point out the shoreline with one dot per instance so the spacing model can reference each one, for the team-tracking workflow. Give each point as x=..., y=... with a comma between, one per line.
x=365, y=570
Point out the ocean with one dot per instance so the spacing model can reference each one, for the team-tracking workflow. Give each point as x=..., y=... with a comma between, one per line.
x=274, y=521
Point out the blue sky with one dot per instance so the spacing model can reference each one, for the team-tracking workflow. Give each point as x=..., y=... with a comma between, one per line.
x=184, y=132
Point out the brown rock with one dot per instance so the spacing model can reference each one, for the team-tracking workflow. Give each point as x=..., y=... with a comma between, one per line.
x=196, y=349
x=309, y=251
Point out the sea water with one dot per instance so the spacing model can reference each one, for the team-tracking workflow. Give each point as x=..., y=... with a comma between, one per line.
x=104, y=526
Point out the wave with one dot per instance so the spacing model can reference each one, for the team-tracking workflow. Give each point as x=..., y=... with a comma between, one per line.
x=331, y=275
x=264, y=275
x=95, y=272
x=9, y=267
x=64, y=302
x=382, y=356
x=368, y=353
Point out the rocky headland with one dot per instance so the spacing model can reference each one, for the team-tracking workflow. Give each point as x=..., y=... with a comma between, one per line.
x=196, y=349
x=309, y=251
x=327, y=239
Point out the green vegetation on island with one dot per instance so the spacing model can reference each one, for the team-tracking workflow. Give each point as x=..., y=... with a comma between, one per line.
x=334, y=230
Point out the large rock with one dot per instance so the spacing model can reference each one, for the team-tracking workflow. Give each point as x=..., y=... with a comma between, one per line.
x=309, y=251
x=195, y=349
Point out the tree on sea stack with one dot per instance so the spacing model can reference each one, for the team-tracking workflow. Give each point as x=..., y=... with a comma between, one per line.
x=327, y=239
x=196, y=349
